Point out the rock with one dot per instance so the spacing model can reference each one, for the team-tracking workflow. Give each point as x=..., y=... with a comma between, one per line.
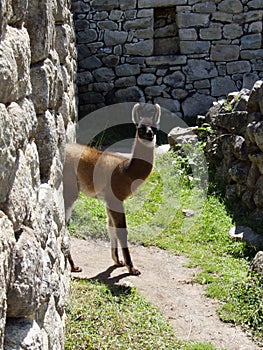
x=246, y=234
x=146, y=79
x=180, y=135
x=127, y=70
x=196, y=105
x=142, y=48
x=24, y=333
x=255, y=101
x=257, y=263
x=175, y=80
x=24, y=296
x=222, y=52
x=115, y=37
x=104, y=74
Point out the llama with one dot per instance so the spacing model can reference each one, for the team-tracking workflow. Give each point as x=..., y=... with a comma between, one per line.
x=113, y=177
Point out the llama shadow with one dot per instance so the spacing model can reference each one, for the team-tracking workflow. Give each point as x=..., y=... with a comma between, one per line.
x=111, y=282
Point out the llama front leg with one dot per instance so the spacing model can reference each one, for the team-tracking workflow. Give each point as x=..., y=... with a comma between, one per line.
x=118, y=224
x=114, y=241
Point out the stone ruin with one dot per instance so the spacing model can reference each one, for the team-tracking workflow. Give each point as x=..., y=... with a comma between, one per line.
x=182, y=54
x=37, y=116
x=235, y=149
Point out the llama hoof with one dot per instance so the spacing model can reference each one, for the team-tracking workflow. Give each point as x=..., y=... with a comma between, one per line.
x=134, y=271
x=76, y=269
x=119, y=263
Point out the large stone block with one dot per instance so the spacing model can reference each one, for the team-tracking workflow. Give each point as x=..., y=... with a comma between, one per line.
x=231, y=6
x=48, y=84
x=255, y=101
x=251, y=41
x=194, y=47
x=142, y=48
x=200, y=69
x=127, y=70
x=40, y=20
x=7, y=243
x=24, y=296
x=221, y=86
x=221, y=52
x=22, y=196
x=195, y=105
x=112, y=38
x=155, y=3
x=14, y=63
x=238, y=67
x=46, y=140
x=175, y=80
x=187, y=20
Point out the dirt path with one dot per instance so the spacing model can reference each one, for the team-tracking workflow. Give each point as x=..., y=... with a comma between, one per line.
x=167, y=283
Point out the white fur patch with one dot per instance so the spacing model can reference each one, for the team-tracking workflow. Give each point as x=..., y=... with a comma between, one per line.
x=147, y=143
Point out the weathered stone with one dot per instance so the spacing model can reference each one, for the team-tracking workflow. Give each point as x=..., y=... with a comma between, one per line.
x=255, y=4
x=24, y=333
x=40, y=20
x=127, y=4
x=140, y=23
x=154, y=90
x=105, y=5
x=107, y=25
x=154, y=3
x=169, y=104
x=258, y=134
x=246, y=234
x=257, y=159
x=255, y=102
x=194, y=47
x=86, y=36
x=115, y=37
x=103, y=74
x=14, y=63
x=90, y=97
x=232, y=31
x=238, y=67
x=115, y=15
x=146, y=79
x=188, y=34
x=230, y=6
x=251, y=41
x=166, y=60
x=111, y=60
x=48, y=85
x=233, y=122
x=214, y=32
x=175, y=80
x=221, y=86
x=186, y=20
x=200, y=69
x=258, y=192
x=125, y=82
x=239, y=172
x=131, y=94
x=24, y=296
x=127, y=70
x=195, y=105
x=220, y=52
x=257, y=263
x=7, y=245
x=142, y=48
x=91, y=62
x=182, y=136
x=205, y=7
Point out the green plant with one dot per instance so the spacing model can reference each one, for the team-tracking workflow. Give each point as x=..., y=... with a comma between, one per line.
x=106, y=317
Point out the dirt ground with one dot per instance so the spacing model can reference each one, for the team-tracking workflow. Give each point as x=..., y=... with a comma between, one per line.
x=167, y=283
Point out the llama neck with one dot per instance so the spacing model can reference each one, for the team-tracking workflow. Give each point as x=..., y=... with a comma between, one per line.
x=141, y=162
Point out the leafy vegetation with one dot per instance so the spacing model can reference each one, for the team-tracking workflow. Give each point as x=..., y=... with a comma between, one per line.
x=173, y=211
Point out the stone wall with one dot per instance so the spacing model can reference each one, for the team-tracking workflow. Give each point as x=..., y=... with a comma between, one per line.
x=37, y=115
x=235, y=149
x=182, y=54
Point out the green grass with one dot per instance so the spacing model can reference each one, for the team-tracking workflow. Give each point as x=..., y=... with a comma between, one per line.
x=117, y=317
x=155, y=216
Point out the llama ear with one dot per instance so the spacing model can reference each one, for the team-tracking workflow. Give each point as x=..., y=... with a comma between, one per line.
x=135, y=114
x=157, y=114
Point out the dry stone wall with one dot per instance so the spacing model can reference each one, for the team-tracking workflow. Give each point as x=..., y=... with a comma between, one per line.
x=37, y=116
x=235, y=149
x=182, y=54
